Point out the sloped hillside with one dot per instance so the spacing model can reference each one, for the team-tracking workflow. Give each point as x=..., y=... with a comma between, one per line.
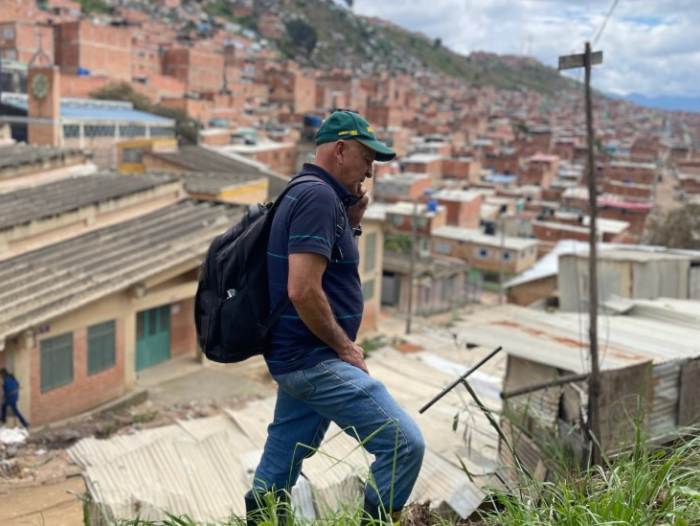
x=323, y=34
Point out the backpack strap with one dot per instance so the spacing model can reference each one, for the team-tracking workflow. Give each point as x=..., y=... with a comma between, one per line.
x=339, y=229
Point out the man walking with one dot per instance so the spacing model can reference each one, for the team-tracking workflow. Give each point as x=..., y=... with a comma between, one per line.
x=10, y=388
x=321, y=371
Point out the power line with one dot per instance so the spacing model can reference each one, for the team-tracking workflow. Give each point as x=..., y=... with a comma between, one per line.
x=605, y=22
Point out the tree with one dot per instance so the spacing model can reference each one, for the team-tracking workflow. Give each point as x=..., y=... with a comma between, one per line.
x=185, y=126
x=437, y=42
x=303, y=35
x=678, y=229
x=399, y=243
x=125, y=92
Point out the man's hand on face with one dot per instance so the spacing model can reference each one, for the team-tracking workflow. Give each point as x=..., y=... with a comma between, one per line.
x=357, y=211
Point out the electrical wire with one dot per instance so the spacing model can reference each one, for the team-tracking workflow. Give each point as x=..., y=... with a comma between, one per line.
x=604, y=23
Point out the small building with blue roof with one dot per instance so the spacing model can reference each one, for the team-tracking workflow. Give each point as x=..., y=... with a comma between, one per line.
x=96, y=125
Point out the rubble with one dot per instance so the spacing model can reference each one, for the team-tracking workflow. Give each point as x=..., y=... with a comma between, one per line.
x=13, y=435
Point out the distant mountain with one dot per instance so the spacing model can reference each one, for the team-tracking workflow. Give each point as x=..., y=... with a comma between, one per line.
x=667, y=103
x=325, y=34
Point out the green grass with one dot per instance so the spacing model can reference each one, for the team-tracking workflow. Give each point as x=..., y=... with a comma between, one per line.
x=641, y=487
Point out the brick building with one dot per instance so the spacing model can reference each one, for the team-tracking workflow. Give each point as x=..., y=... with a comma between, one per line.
x=20, y=41
x=294, y=88
x=91, y=49
x=430, y=164
x=280, y=157
x=270, y=25
x=463, y=207
x=199, y=69
x=629, y=172
x=401, y=187
x=540, y=170
x=486, y=254
x=18, y=10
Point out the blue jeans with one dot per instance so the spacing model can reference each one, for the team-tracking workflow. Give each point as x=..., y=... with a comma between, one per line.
x=333, y=390
x=11, y=402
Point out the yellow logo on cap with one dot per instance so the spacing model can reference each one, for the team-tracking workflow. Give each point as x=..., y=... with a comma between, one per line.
x=348, y=132
x=369, y=129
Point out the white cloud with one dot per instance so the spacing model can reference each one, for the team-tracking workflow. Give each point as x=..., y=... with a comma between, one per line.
x=651, y=47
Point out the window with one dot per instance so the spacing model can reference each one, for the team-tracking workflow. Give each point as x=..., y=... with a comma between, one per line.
x=368, y=290
x=162, y=131
x=506, y=256
x=482, y=253
x=9, y=32
x=132, y=155
x=101, y=347
x=71, y=131
x=370, y=252
x=532, y=251
x=99, y=130
x=132, y=131
x=442, y=248
x=56, y=362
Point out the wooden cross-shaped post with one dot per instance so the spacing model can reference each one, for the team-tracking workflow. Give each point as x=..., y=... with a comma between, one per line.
x=587, y=60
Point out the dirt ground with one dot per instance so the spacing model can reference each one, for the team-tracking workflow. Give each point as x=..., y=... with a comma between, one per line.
x=38, y=484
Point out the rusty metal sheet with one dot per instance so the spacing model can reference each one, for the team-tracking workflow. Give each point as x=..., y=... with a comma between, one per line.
x=689, y=403
x=620, y=397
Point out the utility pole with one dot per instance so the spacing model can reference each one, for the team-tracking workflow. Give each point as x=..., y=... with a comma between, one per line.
x=502, y=228
x=412, y=268
x=587, y=60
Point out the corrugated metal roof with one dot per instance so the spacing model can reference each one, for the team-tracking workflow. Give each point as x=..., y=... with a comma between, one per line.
x=203, y=467
x=549, y=264
x=211, y=183
x=45, y=283
x=47, y=200
x=70, y=110
x=22, y=154
x=209, y=159
x=560, y=339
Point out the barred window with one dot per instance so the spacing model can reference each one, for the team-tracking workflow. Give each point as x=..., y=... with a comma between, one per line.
x=56, y=362
x=71, y=131
x=100, y=130
x=162, y=131
x=132, y=155
x=101, y=347
x=132, y=131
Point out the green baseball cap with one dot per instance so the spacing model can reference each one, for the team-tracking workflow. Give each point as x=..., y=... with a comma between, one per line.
x=347, y=125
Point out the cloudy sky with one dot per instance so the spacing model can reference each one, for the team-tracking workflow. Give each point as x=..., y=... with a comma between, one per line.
x=651, y=47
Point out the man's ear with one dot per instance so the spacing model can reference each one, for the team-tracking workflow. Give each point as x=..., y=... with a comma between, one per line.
x=340, y=149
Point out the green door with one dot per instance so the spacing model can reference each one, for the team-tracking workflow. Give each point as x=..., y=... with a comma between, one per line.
x=152, y=337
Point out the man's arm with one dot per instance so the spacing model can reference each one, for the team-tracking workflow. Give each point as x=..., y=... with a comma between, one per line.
x=306, y=293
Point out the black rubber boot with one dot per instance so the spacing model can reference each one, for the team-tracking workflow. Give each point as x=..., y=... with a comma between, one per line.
x=376, y=515
x=257, y=511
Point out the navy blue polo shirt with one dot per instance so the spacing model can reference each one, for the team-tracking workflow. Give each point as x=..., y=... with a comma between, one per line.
x=306, y=221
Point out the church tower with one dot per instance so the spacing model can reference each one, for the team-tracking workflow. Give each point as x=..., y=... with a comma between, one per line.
x=44, y=90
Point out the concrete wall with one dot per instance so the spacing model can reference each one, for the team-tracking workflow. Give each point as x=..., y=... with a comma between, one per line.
x=22, y=355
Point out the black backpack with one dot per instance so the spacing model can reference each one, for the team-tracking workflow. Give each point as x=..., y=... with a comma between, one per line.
x=232, y=304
